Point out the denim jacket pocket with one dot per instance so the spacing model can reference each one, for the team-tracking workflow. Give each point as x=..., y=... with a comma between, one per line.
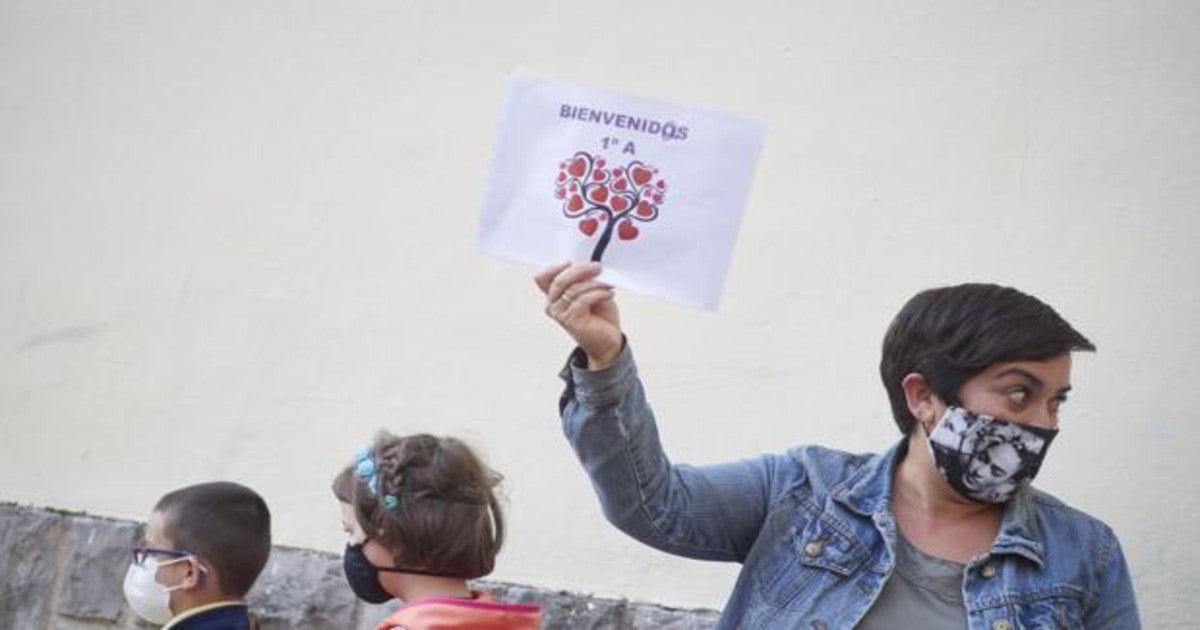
x=1054, y=608
x=1059, y=608
x=827, y=544
x=809, y=565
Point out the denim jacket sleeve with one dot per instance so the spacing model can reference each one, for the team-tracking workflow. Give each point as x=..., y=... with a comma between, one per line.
x=1116, y=606
x=705, y=512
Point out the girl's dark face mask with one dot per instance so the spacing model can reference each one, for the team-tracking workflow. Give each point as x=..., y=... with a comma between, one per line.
x=364, y=576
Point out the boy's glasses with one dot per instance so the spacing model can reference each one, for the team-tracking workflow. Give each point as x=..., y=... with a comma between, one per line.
x=141, y=553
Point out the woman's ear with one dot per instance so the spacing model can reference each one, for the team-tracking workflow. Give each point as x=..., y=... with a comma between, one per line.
x=922, y=402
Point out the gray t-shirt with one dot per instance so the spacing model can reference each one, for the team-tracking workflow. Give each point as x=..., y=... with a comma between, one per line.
x=923, y=592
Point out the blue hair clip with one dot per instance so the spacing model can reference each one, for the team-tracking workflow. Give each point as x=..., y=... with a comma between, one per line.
x=365, y=469
x=364, y=465
x=367, y=472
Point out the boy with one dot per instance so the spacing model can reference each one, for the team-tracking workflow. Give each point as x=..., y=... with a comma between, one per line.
x=203, y=548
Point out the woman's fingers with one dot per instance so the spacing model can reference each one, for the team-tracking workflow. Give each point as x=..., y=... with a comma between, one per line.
x=584, y=303
x=582, y=293
x=575, y=291
x=568, y=277
x=545, y=276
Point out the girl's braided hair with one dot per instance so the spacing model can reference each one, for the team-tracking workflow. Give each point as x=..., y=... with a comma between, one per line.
x=432, y=502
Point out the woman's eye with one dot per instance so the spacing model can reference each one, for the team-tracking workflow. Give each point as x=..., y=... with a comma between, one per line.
x=1018, y=395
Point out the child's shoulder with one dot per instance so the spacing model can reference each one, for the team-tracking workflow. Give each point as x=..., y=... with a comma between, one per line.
x=480, y=611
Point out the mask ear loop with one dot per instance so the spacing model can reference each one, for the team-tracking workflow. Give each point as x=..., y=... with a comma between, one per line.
x=927, y=426
x=193, y=560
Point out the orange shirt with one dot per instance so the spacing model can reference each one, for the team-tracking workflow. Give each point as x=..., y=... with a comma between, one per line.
x=481, y=612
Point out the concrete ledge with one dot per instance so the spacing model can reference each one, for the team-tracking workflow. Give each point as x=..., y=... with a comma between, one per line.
x=63, y=571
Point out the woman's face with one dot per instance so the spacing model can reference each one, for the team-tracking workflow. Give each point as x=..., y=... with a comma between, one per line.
x=1027, y=392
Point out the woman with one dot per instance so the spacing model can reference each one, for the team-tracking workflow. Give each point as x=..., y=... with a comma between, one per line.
x=916, y=537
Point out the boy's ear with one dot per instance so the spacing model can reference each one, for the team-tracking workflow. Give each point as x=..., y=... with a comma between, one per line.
x=921, y=400
x=197, y=575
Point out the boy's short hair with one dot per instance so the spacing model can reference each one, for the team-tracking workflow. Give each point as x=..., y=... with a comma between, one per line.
x=447, y=519
x=950, y=334
x=226, y=524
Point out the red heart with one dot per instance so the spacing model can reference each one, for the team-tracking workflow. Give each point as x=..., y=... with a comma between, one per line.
x=562, y=177
x=640, y=174
x=644, y=209
x=627, y=231
x=661, y=184
x=578, y=167
x=560, y=193
x=575, y=203
x=598, y=194
x=619, y=204
x=620, y=184
x=599, y=175
x=588, y=226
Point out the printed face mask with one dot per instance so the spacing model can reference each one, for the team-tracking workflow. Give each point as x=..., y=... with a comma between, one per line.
x=987, y=459
x=363, y=576
x=148, y=599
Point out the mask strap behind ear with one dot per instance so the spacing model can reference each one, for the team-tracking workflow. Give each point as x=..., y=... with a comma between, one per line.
x=932, y=424
x=193, y=561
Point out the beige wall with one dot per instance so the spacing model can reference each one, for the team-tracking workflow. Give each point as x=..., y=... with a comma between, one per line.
x=236, y=238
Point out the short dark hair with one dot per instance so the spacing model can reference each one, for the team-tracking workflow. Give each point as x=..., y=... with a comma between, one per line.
x=950, y=334
x=227, y=524
x=447, y=519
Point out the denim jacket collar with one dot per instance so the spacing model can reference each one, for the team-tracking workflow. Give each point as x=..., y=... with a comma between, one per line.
x=868, y=492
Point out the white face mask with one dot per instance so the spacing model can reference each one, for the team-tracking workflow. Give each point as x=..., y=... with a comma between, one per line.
x=149, y=599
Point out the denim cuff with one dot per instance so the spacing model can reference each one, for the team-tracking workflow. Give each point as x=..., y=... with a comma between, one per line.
x=597, y=388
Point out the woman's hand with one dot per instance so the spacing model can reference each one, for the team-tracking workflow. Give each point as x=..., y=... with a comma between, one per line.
x=585, y=308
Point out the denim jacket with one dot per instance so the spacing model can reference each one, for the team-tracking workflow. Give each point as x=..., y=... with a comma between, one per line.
x=814, y=530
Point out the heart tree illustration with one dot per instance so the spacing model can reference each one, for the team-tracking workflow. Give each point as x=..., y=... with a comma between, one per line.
x=608, y=198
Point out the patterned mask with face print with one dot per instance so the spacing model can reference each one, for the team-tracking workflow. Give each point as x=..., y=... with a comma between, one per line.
x=987, y=459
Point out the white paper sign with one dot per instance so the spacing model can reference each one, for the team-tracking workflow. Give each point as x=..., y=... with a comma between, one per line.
x=652, y=190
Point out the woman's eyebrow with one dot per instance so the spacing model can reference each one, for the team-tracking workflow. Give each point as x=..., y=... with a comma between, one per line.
x=1026, y=374
x=1034, y=381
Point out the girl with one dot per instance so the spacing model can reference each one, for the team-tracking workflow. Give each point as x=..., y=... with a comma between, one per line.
x=423, y=519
